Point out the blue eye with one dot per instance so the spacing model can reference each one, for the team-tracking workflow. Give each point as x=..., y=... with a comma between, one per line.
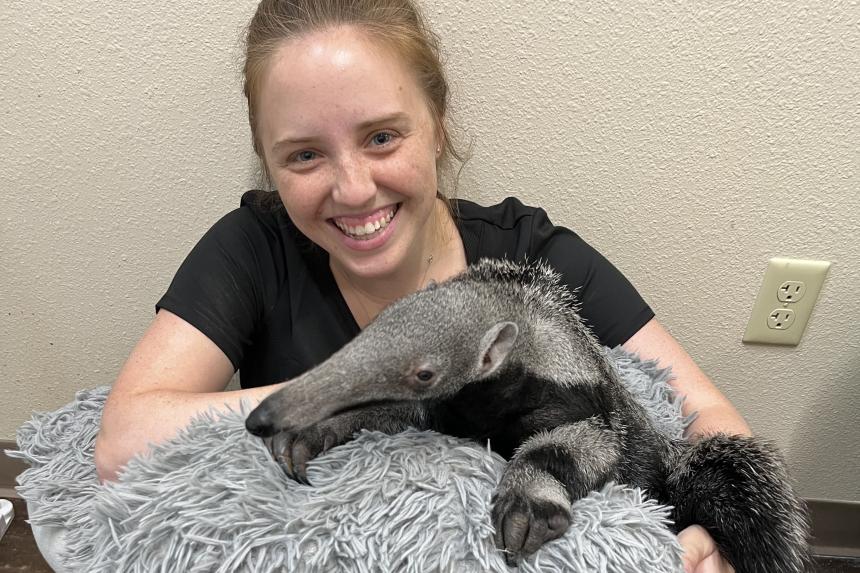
x=305, y=156
x=382, y=138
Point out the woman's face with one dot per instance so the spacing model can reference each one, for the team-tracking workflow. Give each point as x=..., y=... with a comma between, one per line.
x=351, y=144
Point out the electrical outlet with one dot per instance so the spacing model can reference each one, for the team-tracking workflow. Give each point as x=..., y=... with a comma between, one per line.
x=785, y=301
x=791, y=291
x=780, y=319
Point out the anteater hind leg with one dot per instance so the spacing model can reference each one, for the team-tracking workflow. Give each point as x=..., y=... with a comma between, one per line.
x=738, y=489
x=549, y=471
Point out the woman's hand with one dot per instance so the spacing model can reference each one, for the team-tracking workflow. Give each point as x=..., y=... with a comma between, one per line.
x=700, y=552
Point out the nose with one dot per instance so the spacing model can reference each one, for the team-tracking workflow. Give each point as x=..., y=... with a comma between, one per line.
x=354, y=184
x=260, y=421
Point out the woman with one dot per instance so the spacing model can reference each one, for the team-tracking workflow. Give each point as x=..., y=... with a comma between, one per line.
x=347, y=105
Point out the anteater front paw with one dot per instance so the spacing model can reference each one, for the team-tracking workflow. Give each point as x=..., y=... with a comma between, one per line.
x=293, y=450
x=523, y=523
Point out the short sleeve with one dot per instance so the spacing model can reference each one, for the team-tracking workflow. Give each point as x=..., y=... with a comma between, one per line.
x=609, y=303
x=221, y=287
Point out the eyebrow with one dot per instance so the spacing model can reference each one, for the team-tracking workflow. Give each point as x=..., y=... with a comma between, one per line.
x=363, y=126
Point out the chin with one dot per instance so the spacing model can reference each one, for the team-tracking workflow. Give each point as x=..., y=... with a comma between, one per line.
x=371, y=269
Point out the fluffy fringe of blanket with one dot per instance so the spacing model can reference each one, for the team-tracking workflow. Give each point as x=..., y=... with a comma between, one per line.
x=212, y=500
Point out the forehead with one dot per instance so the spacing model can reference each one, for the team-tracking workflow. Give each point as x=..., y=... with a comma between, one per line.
x=334, y=76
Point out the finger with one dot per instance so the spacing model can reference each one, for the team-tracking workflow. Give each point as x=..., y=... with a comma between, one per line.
x=715, y=563
x=697, y=544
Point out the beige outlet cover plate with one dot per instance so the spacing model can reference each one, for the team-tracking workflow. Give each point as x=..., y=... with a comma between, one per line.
x=779, y=271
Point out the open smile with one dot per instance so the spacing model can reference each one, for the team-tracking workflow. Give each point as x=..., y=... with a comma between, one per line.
x=365, y=228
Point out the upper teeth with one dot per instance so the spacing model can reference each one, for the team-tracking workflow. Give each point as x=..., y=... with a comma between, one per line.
x=369, y=227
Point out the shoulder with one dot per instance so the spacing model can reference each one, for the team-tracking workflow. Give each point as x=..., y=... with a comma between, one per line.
x=234, y=275
x=510, y=230
x=511, y=213
x=244, y=254
x=260, y=224
x=256, y=215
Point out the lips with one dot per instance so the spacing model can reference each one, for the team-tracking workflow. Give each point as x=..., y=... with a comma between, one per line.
x=364, y=228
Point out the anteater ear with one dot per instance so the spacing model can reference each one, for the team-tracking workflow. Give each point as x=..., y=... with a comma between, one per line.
x=495, y=346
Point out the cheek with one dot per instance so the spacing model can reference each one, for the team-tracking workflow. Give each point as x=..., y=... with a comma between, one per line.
x=301, y=195
x=411, y=171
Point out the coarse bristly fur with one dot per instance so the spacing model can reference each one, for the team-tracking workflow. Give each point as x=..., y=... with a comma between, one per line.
x=414, y=502
x=500, y=354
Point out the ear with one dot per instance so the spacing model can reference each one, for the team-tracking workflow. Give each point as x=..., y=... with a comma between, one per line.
x=440, y=136
x=495, y=346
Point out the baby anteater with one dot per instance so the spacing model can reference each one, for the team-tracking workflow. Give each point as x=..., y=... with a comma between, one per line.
x=499, y=353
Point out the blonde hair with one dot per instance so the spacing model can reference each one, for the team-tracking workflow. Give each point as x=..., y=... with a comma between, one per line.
x=396, y=24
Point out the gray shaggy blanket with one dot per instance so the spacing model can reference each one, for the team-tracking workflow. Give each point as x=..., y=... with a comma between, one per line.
x=212, y=500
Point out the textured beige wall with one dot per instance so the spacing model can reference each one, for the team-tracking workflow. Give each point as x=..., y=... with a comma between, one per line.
x=688, y=141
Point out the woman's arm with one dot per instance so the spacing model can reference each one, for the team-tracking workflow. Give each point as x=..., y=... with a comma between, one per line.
x=174, y=373
x=715, y=412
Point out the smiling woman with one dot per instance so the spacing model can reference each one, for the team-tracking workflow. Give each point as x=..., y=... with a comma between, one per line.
x=347, y=105
x=351, y=145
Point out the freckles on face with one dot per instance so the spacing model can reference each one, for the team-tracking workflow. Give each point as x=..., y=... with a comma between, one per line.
x=350, y=141
x=323, y=87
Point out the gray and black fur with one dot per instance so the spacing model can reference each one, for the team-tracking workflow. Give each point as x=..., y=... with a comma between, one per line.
x=500, y=354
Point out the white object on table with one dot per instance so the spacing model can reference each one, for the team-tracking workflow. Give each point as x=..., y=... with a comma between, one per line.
x=7, y=513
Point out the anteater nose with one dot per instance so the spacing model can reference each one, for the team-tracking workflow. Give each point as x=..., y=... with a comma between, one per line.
x=260, y=422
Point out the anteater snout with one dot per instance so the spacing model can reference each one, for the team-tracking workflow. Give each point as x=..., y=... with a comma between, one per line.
x=261, y=421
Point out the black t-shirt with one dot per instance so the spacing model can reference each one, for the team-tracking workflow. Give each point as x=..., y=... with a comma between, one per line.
x=264, y=293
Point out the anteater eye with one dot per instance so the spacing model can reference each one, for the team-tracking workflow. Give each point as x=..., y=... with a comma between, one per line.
x=424, y=375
